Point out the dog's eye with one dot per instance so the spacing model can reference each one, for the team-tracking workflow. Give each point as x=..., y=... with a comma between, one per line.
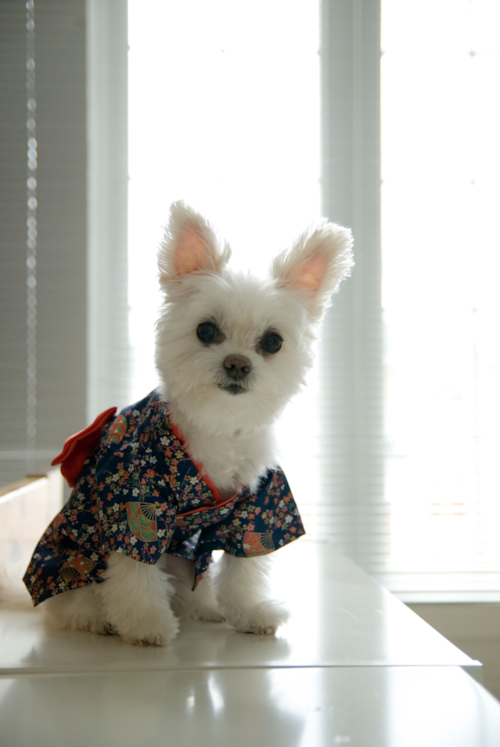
x=207, y=332
x=271, y=342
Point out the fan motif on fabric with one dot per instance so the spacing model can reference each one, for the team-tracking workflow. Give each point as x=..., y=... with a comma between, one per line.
x=258, y=543
x=142, y=520
x=79, y=566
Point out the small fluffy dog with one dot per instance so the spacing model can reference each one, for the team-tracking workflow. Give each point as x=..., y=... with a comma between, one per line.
x=192, y=467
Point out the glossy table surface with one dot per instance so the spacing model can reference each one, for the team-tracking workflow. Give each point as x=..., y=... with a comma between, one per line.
x=353, y=666
x=340, y=617
x=383, y=706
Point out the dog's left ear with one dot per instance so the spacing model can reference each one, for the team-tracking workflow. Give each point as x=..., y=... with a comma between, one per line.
x=315, y=265
x=189, y=246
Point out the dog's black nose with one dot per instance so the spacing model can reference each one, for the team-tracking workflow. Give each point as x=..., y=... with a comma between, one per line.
x=237, y=366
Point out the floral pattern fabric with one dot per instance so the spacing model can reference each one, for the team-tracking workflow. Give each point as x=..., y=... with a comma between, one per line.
x=140, y=494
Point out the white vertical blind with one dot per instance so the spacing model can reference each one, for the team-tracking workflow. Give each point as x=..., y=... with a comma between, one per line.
x=109, y=350
x=351, y=506
x=409, y=379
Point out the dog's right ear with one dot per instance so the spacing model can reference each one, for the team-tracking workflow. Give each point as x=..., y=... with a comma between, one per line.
x=189, y=246
x=315, y=265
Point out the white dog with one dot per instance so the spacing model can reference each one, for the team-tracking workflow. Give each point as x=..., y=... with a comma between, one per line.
x=192, y=467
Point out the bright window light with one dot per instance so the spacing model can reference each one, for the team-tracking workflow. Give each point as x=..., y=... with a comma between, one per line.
x=224, y=114
x=441, y=264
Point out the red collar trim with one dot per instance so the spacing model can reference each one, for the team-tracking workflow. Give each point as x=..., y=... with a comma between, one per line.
x=206, y=479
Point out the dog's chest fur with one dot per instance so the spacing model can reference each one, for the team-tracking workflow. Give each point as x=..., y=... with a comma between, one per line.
x=232, y=460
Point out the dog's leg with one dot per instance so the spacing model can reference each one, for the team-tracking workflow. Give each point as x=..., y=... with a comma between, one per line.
x=187, y=604
x=79, y=609
x=242, y=590
x=136, y=601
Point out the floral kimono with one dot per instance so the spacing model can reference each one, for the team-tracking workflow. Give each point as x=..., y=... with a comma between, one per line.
x=137, y=491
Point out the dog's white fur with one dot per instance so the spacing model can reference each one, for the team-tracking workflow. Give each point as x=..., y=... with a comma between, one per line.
x=229, y=434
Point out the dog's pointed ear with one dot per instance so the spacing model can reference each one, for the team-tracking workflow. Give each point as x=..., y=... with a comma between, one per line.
x=189, y=246
x=315, y=265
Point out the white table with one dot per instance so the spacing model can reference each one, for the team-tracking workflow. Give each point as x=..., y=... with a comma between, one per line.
x=353, y=666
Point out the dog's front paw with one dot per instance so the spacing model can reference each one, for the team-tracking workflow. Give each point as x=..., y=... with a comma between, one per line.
x=208, y=614
x=149, y=632
x=263, y=619
x=153, y=625
x=102, y=627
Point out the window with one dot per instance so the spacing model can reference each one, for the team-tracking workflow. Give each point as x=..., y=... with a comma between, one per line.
x=224, y=114
x=393, y=450
x=43, y=231
x=441, y=261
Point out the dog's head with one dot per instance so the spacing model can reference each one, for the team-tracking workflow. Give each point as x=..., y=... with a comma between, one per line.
x=231, y=349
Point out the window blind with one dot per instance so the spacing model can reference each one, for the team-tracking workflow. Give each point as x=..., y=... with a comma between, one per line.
x=43, y=236
x=108, y=342
x=408, y=401
x=351, y=507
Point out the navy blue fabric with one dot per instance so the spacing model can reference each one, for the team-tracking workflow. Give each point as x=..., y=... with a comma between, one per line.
x=140, y=494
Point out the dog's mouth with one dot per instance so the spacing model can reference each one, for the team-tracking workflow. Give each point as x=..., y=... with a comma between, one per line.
x=233, y=388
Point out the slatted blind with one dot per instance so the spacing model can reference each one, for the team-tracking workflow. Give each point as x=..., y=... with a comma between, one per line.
x=351, y=508
x=43, y=243
x=108, y=341
x=410, y=358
